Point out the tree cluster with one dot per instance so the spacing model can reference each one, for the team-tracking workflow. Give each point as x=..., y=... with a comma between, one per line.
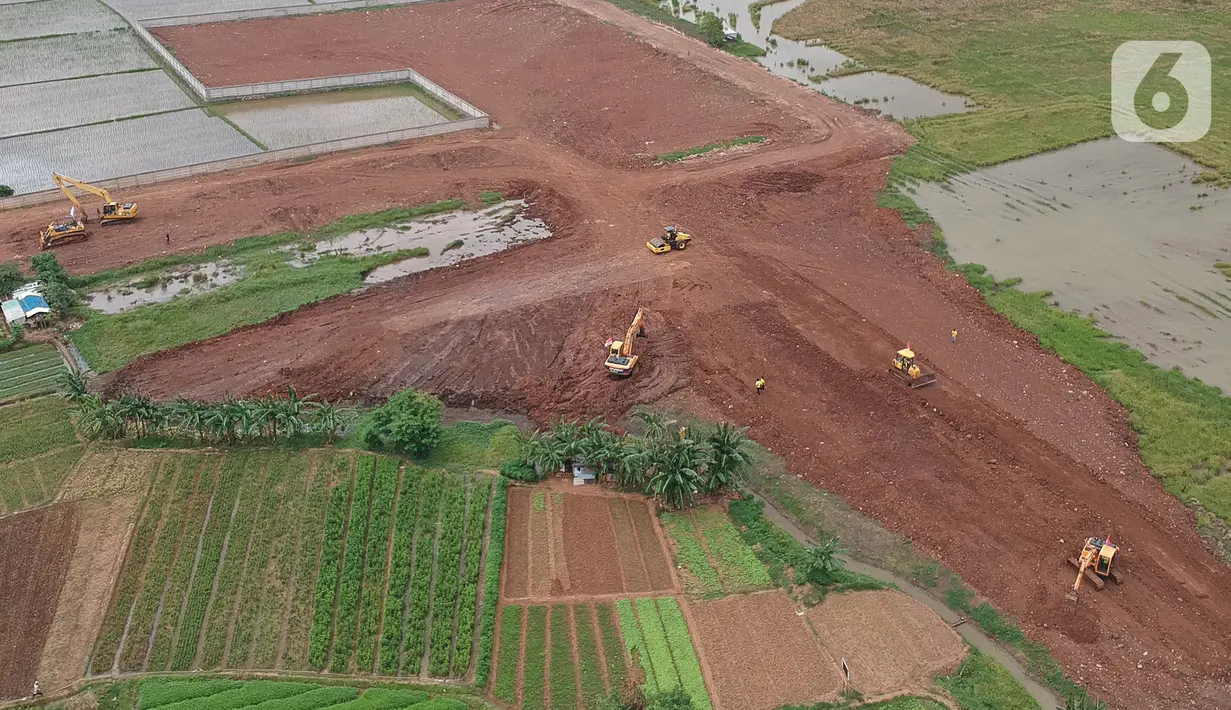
x=60, y=296
x=667, y=462
x=231, y=421
x=408, y=423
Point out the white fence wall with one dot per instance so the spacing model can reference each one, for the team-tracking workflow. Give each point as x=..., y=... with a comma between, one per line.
x=217, y=166
x=259, y=13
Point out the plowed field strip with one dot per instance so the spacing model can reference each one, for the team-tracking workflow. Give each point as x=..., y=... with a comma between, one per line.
x=541, y=567
x=562, y=578
x=632, y=565
x=656, y=565
x=516, y=582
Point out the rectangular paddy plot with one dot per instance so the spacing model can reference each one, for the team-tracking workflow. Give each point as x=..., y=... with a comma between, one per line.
x=890, y=641
x=557, y=656
x=300, y=561
x=657, y=640
x=27, y=61
x=761, y=654
x=29, y=107
x=55, y=17
x=221, y=693
x=315, y=118
x=106, y=150
x=567, y=544
x=151, y=9
x=712, y=557
x=29, y=371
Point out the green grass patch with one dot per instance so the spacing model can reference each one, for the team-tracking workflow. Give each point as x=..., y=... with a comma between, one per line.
x=35, y=427
x=982, y=684
x=510, y=649
x=226, y=694
x=455, y=244
x=491, y=579
x=534, y=678
x=682, y=652
x=563, y=679
x=476, y=445
x=708, y=148
x=491, y=197
x=700, y=577
x=738, y=566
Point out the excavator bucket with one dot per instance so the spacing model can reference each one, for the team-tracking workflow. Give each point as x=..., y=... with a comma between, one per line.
x=1070, y=599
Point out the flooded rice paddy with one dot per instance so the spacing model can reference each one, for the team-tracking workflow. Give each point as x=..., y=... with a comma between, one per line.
x=809, y=63
x=1113, y=229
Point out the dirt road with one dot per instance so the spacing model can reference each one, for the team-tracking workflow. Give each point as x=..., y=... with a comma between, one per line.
x=794, y=275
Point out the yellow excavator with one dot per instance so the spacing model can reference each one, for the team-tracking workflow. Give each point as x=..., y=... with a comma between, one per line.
x=620, y=356
x=112, y=211
x=907, y=370
x=1094, y=564
x=672, y=239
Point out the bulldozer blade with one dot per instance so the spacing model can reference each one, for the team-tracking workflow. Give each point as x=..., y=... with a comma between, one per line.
x=923, y=381
x=1091, y=577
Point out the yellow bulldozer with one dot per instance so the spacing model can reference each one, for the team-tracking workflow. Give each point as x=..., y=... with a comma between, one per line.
x=906, y=369
x=620, y=356
x=1094, y=564
x=65, y=232
x=672, y=239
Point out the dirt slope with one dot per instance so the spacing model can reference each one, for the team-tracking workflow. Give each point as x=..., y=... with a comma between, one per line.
x=794, y=274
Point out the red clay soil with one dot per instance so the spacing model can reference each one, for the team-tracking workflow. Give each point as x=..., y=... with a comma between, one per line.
x=761, y=655
x=515, y=579
x=632, y=564
x=590, y=546
x=35, y=550
x=794, y=274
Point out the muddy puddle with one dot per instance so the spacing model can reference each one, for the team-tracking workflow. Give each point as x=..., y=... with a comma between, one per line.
x=1114, y=229
x=449, y=238
x=809, y=63
x=191, y=280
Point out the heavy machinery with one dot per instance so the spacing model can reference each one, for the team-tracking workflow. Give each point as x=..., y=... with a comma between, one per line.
x=620, y=356
x=907, y=370
x=1094, y=564
x=57, y=233
x=112, y=211
x=673, y=239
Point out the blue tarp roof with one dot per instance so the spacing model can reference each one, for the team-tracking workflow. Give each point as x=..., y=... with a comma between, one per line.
x=33, y=302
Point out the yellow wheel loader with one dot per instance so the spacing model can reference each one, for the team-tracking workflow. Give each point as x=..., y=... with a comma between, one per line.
x=673, y=239
x=620, y=356
x=1094, y=564
x=906, y=369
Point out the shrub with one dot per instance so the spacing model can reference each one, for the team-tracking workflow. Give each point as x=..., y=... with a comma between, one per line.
x=710, y=27
x=11, y=277
x=409, y=422
x=519, y=470
x=6, y=191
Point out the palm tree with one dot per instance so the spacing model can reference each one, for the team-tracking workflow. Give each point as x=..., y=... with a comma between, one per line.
x=821, y=563
x=328, y=418
x=73, y=384
x=656, y=424
x=294, y=410
x=188, y=417
x=728, y=458
x=677, y=471
x=542, y=451
x=636, y=460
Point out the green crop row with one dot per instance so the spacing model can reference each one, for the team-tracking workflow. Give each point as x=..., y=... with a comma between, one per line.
x=613, y=650
x=701, y=578
x=288, y=468
x=563, y=677
x=177, y=584
x=34, y=427
x=202, y=583
x=510, y=654
x=656, y=644
x=682, y=651
x=327, y=578
x=385, y=699
x=421, y=575
x=399, y=569
x=246, y=695
x=587, y=656
x=476, y=517
x=738, y=567
x=130, y=577
x=230, y=576
x=536, y=659
x=383, y=497
x=281, y=493
x=444, y=593
x=316, y=506
x=352, y=570
x=635, y=644
x=157, y=692
x=138, y=638
x=491, y=579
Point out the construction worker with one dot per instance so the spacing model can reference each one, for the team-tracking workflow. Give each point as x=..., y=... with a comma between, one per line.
x=38, y=691
x=953, y=336
x=760, y=385
x=168, y=237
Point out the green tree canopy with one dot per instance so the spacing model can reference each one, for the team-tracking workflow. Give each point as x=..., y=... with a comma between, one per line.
x=409, y=422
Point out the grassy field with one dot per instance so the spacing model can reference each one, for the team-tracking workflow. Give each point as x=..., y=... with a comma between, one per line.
x=38, y=448
x=655, y=632
x=716, y=561
x=270, y=286
x=257, y=558
x=1010, y=68
x=476, y=445
x=29, y=371
x=224, y=693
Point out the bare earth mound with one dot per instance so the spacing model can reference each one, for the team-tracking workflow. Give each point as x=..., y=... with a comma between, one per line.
x=564, y=545
x=761, y=654
x=794, y=274
x=890, y=642
x=35, y=549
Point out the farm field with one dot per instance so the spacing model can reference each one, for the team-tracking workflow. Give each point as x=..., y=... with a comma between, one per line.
x=1008, y=418
x=38, y=448
x=29, y=371
x=96, y=99
x=221, y=694
x=81, y=55
x=55, y=17
x=301, y=561
x=563, y=544
x=150, y=9
x=713, y=558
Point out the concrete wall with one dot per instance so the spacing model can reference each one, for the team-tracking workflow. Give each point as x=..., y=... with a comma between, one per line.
x=141, y=179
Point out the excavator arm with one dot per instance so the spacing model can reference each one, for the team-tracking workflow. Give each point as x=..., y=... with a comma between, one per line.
x=112, y=211
x=62, y=181
x=627, y=348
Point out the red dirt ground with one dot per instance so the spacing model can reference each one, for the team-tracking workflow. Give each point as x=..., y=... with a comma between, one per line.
x=794, y=274
x=760, y=654
x=35, y=550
